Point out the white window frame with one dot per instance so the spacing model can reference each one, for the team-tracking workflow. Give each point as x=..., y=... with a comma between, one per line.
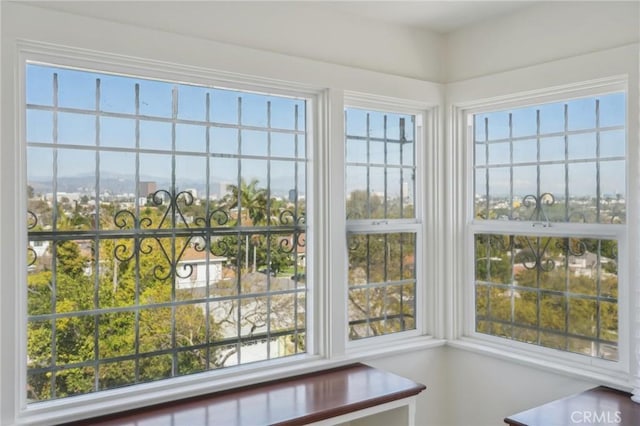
x=425, y=134
x=184, y=385
x=327, y=341
x=462, y=128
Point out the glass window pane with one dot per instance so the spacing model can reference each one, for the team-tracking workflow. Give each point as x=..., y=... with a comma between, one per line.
x=525, y=151
x=612, y=110
x=544, y=291
x=224, y=140
x=42, y=128
x=191, y=138
x=117, y=132
x=499, y=153
x=155, y=135
x=40, y=87
x=579, y=148
x=192, y=102
x=524, y=122
x=498, y=125
x=552, y=118
x=76, y=129
x=581, y=114
x=612, y=144
x=582, y=146
x=552, y=149
x=382, y=284
x=181, y=261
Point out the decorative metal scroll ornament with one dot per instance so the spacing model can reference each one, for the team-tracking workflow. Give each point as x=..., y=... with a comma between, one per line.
x=535, y=258
x=539, y=212
x=207, y=234
x=32, y=222
x=534, y=254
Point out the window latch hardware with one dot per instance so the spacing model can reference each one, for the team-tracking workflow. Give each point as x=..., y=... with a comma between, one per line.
x=541, y=225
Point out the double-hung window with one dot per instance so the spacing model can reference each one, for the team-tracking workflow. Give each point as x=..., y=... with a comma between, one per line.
x=166, y=229
x=548, y=226
x=383, y=226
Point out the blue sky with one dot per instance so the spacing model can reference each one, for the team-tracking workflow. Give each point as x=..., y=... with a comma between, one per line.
x=77, y=89
x=582, y=148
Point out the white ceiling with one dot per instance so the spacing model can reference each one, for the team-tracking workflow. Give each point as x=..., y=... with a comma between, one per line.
x=438, y=16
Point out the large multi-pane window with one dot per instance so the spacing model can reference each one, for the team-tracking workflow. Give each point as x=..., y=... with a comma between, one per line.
x=382, y=224
x=166, y=229
x=549, y=220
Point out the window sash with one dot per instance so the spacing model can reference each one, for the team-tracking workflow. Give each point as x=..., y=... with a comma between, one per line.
x=464, y=114
x=385, y=225
x=172, y=225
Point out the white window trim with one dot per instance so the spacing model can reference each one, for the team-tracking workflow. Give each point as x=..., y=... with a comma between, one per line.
x=425, y=137
x=327, y=343
x=463, y=333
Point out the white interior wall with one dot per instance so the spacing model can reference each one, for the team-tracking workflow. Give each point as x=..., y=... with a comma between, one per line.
x=538, y=34
x=463, y=388
x=302, y=29
x=484, y=389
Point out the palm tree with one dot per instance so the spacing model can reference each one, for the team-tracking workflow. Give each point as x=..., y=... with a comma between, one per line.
x=250, y=200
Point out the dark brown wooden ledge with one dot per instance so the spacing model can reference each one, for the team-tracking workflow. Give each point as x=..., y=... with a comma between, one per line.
x=293, y=401
x=598, y=406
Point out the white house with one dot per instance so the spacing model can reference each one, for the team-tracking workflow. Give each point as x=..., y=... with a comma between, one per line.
x=193, y=269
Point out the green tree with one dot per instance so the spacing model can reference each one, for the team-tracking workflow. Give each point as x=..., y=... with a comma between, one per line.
x=249, y=199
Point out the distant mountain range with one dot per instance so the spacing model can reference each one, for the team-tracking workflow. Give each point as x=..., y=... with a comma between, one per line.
x=122, y=184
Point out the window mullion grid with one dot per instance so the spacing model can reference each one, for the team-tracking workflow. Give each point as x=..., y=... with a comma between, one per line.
x=268, y=234
x=368, y=291
x=401, y=142
x=96, y=251
x=368, y=135
x=510, y=165
x=173, y=261
x=567, y=288
x=239, y=222
x=486, y=151
x=566, y=165
x=296, y=235
x=539, y=193
x=54, y=251
x=597, y=131
x=598, y=220
x=598, y=299
x=207, y=237
x=386, y=215
x=98, y=312
x=385, y=176
x=512, y=296
x=137, y=240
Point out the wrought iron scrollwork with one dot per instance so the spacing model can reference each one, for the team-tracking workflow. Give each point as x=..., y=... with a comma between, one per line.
x=217, y=217
x=32, y=256
x=203, y=233
x=32, y=222
x=220, y=247
x=536, y=258
x=572, y=246
x=538, y=202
